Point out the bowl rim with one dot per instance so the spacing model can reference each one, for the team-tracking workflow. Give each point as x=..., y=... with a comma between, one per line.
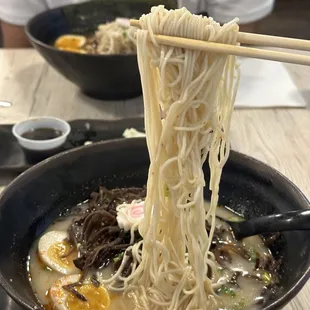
x=36, y=41
x=238, y=157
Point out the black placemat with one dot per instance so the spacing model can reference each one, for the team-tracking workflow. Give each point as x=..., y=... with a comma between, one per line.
x=12, y=157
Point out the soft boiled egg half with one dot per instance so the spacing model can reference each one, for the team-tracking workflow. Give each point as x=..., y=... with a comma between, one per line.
x=56, y=252
x=71, y=43
x=86, y=296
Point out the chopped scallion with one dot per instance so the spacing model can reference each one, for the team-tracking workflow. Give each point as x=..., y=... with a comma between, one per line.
x=227, y=291
x=267, y=277
x=118, y=257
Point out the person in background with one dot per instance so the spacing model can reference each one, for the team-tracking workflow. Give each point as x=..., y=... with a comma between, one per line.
x=249, y=12
x=14, y=14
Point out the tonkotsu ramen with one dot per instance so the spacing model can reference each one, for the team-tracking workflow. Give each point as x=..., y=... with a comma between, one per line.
x=163, y=246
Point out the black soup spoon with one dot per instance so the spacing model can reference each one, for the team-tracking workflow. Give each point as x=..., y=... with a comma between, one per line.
x=293, y=220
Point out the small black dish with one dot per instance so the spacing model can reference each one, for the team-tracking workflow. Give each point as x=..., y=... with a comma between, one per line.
x=14, y=159
x=37, y=197
x=101, y=76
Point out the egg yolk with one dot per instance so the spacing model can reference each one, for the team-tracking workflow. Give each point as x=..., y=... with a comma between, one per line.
x=97, y=298
x=62, y=253
x=69, y=41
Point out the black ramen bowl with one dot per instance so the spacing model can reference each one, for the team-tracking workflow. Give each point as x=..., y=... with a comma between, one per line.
x=101, y=76
x=37, y=197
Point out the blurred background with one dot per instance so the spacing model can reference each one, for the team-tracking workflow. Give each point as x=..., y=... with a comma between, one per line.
x=290, y=18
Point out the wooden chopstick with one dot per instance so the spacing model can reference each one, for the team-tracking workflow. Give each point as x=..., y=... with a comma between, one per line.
x=232, y=50
x=261, y=40
x=229, y=49
x=273, y=41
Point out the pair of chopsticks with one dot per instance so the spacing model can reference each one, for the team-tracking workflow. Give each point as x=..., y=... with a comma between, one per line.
x=245, y=38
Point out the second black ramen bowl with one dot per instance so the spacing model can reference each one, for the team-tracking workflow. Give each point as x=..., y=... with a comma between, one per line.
x=101, y=76
x=37, y=197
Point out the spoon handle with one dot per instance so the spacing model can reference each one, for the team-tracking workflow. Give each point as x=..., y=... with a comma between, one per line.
x=293, y=220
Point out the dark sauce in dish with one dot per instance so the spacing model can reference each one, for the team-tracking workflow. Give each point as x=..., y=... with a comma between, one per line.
x=42, y=134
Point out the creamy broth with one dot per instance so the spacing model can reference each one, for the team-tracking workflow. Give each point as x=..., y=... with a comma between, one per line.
x=42, y=278
x=244, y=274
x=239, y=269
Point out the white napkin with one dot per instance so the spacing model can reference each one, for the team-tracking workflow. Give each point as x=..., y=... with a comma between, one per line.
x=266, y=84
